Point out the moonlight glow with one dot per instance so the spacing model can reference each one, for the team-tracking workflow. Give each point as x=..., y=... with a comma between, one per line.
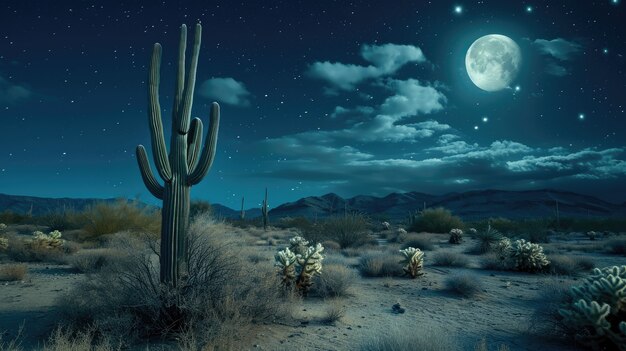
x=493, y=61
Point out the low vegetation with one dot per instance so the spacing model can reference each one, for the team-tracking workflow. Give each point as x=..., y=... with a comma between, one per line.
x=466, y=285
x=436, y=220
x=380, y=265
x=13, y=272
x=449, y=259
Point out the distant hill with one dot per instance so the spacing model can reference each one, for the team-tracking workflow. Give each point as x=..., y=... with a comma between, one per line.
x=468, y=205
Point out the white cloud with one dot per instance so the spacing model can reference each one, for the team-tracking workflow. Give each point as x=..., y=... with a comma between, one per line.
x=558, y=48
x=11, y=93
x=385, y=60
x=225, y=90
x=411, y=98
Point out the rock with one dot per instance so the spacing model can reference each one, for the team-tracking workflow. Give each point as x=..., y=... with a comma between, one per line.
x=397, y=309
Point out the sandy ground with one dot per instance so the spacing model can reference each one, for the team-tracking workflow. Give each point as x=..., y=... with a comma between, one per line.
x=502, y=313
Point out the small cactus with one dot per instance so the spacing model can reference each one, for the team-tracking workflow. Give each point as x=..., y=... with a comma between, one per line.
x=298, y=245
x=592, y=235
x=413, y=261
x=3, y=226
x=386, y=225
x=456, y=236
x=299, y=263
x=50, y=241
x=527, y=257
x=4, y=244
x=285, y=260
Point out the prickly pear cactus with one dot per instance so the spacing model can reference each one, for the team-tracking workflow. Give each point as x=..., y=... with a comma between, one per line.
x=413, y=261
x=527, y=257
x=598, y=310
x=456, y=236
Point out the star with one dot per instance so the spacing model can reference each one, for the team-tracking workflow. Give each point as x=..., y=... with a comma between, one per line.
x=529, y=9
x=475, y=127
x=581, y=116
x=485, y=119
x=458, y=9
x=605, y=51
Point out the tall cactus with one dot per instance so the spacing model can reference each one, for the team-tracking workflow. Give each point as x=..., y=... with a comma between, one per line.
x=184, y=166
x=264, y=211
x=242, y=214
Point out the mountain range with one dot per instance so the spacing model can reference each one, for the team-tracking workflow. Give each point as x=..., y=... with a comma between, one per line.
x=470, y=205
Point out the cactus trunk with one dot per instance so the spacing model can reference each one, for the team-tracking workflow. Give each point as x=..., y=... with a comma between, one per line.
x=184, y=166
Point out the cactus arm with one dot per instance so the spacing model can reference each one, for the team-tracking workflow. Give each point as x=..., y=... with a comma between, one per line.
x=183, y=118
x=208, y=152
x=194, y=142
x=180, y=81
x=146, y=173
x=154, y=111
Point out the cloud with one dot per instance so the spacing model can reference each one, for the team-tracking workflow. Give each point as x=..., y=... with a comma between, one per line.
x=411, y=98
x=556, y=69
x=225, y=90
x=558, y=48
x=385, y=60
x=12, y=93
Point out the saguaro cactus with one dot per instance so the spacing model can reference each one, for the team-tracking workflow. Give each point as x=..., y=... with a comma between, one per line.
x=264, y=211
x=184, y=166
x=242, y=214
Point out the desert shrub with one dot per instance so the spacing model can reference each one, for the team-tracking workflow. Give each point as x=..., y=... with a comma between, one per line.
x=569, y=265
x=89, y=261
x=456, y=236
x=334, y=281
x=298, y=264
x=301, y=223
x=331, y=245
x=492, y=261
x=348, y=230
x=597, y=312
x=436, y=220
x=333, y=313
x=14, y=343
x=449, y=259
x=402, y=339
x=545, y=319
x=420, y=241
x=4, y=244
x=199, y=207
x=125, y=299
x=13, y=272
x=105, y=218
x=616, y=246
x=527, y=257
x=487, y=239
x=504, y=225
x=466, y=285
x=37, y=249
x=380, y=265
x=413, y=260
x=61, y=220
x=65, y=339
x=10, y=217
x=537, y=236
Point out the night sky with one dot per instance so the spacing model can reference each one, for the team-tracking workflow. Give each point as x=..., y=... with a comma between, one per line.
x=351, y=97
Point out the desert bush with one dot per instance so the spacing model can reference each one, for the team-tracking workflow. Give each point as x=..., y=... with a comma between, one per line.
x=597, y=312
x=569, y=265
x=492, y=261
x=65, y=339
x=220, y=290
x=413, y=261
x=333, y=313
x=456, y=236
x=348, y=230
x=616, y=246
x=13, y=272
x=334, y=281
x=10, y=217
x=298, y=264
x=466, y=285
x=89, y=261
x=420, y=241
x=449, y=259
x=380, y=265
x=403, y=339
x=34, y=250
x=14, y=343
x=4, y=244
x=199, y=207
x=437, y=220
x=528, y=257
x=331, y=245
x=487, y=239
x=105, y=218
x=61, y=220
x=545, y=319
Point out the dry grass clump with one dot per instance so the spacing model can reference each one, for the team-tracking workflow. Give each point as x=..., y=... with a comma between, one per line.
x=449, y=259
x=494, y=262
x=403, y=339
x=380, y=265
x=553, y=295
x=348, y=230
x=105, y=218
x=335, y=281
x=616, y=246
x=333, y=313
x=221, y=295
x=569, y=265
x=436, y=220
x=68, y=340
x=419, y=241
x=13, y=272
x=331, y=245
x=89, y=261
x=20, y=250
x=466, y=285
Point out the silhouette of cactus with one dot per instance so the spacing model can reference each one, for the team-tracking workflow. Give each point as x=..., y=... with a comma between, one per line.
x=264, y=212
x=242, y=214
x=184, y=166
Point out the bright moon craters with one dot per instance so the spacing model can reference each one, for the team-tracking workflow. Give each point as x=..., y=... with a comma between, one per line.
x=493, y=62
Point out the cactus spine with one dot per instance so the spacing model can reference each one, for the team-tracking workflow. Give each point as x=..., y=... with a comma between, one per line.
x=264, y=212
x=184, y=166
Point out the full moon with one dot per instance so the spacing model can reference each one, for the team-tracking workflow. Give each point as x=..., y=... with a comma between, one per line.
x=493, y=61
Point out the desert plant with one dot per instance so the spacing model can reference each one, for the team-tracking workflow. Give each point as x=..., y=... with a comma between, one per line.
x=333, y=313
x=487, y=239
x=298, y=267
x=466, y=285
x=335, y=281
x=264, y=211
x=380, y=265
x=89, y=261
x=569, y=265
x=592, y=235
x=104, y=218
x=4, y=244
x=420, y=241
x=13, y=272
x=51, y=240
x=348, y=230
x=400, y=338
x=199, y=207
x=527, y=257
x=616, y=246
x=3, y=227
x=436, y=220
x=456, y=236
x=598, y=309
x=449, y=259
x=185, y=166
x=413, y=261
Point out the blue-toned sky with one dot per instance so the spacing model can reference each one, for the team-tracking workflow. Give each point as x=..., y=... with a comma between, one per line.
x=352, y=97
